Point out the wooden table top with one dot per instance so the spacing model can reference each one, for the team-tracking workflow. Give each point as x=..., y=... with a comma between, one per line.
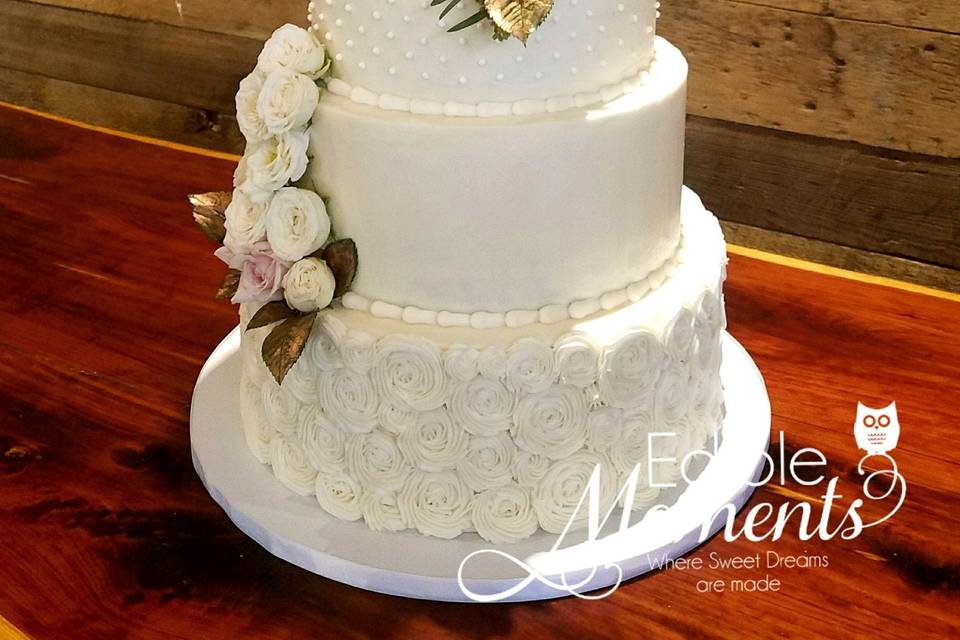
x=106, y=316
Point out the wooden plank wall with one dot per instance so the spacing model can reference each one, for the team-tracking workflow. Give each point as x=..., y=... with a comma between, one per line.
x=812, y=123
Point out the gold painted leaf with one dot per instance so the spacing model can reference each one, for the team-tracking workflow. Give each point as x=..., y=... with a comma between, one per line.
x=209, y=212
x=341, y=257
x=284, y=344
x=270, y=313
x=518, y=17
x=229, y=285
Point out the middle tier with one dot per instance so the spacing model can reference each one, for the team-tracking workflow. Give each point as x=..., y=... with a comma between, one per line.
x=515, y=213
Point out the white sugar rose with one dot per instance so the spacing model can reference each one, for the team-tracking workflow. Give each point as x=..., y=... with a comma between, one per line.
x=381, y=511
x=530, y=366
x=297, y=223
x=309, y=285
x=434, y=442
x=349, y=400
x=461, y=362
x=374, y=459
x=323, y=443
x=339, y=495
x=553, y=422
x=482, y=406
x=504, y=515
x=556, y=497
x=280, y=408
x=295, y=49
x=287, y=101
x=248, y=116
x=395, y=418
x=630, y=368
x=604, y=428
x=529, y=468
x=291, y=467
x=256, y=430
x=577, y=360
x=269, y=165
x=488, y=461
x=409, y=372
x=436, y=504
x=357, y=349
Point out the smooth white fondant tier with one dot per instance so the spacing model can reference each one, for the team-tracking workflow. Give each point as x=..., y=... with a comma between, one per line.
x=500, y=214
x=448, y=430
x=401, y=48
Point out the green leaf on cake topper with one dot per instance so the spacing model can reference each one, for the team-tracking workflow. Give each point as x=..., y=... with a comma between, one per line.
x=271, y=312
x=284, y=344
x=209, y=212
x=520, y=18
x=229, y=285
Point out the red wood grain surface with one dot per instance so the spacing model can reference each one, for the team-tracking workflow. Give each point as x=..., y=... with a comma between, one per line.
x=106, y=315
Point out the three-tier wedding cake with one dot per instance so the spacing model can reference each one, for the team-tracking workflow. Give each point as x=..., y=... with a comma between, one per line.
x=468, y=271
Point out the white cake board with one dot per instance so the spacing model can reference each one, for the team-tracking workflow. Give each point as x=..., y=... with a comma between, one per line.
x=296, y=529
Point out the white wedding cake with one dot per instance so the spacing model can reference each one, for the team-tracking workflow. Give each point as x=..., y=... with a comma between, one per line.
x=467, y=267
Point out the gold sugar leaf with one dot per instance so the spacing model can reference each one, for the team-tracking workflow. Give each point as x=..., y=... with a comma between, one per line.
x=284, y=344
x=270, y=313
x=518, y=17
x=209, y=212
x=229, y=286
x=341, y=257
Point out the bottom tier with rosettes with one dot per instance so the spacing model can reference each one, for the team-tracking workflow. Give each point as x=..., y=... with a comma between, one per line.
x=449, y=430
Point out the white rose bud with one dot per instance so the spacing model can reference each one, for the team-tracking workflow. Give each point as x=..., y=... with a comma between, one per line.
x=309, y=285
x=297, y=223
x=246, y=224
x=248, y=116
x=291, y=47
x=270, y=165
x=287, y=101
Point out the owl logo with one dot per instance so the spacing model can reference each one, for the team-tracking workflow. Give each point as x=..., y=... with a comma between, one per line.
x=877, y=430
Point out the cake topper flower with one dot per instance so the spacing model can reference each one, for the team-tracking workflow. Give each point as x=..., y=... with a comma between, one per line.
x=277, y=238
x=517, y=18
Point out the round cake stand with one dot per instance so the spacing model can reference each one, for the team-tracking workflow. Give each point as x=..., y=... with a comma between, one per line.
x=296, y=529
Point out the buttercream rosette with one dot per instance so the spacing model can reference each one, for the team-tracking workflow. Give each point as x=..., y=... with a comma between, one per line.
x=482, y=406
x=376, y=461
x=381, y=511
x=321, y=349
x=339, y=495
x=350, y=400
x=395, y=418
x=679, y=336
x=492, y=363
x=630, y=368
x=461, y=362
x=358, y=351
x=561, y=489
x=577, y=360
x=408, y=371
x=434, y=442
x=529, y=468
x=552, y=422
x=604, y=428
x=530, y=366
x=504, y=514
x=291, y=466
x=487, y=461
x=436, y=504
x=323, y=442
x=256, y=430
x=303, y=382
x=280, y=407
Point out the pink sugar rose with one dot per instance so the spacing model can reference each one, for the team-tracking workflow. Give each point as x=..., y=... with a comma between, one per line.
x=261, y=273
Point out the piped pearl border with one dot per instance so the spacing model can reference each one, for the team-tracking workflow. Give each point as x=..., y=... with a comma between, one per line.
x=454, y=109
x=550, y=314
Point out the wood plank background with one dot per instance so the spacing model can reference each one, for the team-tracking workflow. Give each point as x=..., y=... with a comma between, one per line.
x=811, y=121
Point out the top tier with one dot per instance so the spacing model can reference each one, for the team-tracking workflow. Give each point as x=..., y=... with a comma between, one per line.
x=401, y=48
